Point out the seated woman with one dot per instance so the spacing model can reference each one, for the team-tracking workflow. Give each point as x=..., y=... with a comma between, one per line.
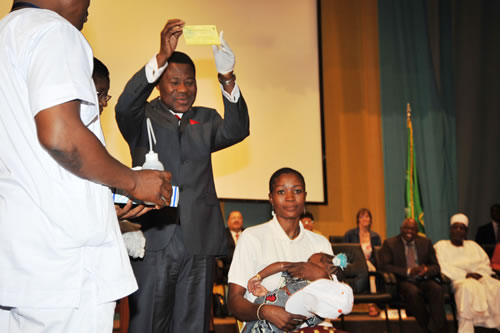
x=281, y=239
x=363, y=235
x=367, y=238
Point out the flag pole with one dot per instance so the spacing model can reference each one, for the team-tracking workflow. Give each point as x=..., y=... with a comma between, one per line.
x=411, y=161
x=413, y=207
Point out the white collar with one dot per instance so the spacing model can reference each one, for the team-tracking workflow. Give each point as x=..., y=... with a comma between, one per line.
x=281, y=234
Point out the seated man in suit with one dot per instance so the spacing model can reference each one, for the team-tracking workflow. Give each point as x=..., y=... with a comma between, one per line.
x=233, y=232
x=413, y=260
x=477, y=294
x=234, y=228
x=489, y=233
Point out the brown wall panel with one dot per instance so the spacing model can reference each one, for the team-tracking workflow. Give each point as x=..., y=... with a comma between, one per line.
x=352, y=116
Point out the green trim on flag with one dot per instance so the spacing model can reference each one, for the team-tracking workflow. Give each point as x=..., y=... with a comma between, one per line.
x=413, y=203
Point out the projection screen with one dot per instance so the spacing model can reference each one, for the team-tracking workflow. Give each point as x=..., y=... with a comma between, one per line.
x=277, y=67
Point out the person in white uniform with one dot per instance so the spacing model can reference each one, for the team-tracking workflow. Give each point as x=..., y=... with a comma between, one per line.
x=283, y=238
x=62, y=258
x=477, y=293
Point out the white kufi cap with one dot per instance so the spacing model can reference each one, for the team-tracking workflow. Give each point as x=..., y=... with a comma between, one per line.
x=461, y=218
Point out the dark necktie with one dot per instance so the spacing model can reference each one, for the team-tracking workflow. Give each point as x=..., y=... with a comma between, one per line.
x=410, y=257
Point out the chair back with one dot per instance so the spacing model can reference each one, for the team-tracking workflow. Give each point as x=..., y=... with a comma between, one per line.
x=356, y=272
x=336, y=239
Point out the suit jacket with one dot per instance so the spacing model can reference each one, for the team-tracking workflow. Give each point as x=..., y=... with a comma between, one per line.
x=185, y=151
x=231, y=244
x=486, y=234
x=393, y=257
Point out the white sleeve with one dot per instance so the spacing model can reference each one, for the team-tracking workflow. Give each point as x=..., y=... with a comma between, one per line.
x=235, y=94
x=153, y=73
x=60, y=70
x=484, y=267
x=323, y=244
x=244, y=264
x=452, y=271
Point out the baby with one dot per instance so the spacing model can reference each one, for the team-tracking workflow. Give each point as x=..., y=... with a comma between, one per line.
x=290, y=286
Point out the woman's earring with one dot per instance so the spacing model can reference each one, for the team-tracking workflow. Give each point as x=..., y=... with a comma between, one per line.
x=272, y=211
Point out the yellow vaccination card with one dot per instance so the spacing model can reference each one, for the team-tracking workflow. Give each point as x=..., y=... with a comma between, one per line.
x=201, y=35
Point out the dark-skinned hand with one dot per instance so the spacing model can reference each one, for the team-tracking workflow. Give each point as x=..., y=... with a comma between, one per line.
x=306, y=270
x=279, y=317
x=169, y=38
x=476, y=276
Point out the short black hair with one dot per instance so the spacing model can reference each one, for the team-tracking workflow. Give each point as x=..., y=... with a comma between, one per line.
x=282, y=171
x=307, y=214
x=182, y=58
x=100, y=69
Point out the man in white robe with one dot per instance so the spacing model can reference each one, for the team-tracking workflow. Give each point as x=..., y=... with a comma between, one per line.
x=477, y=293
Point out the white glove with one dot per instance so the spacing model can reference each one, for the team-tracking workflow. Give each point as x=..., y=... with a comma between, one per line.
x=224, y=56
x=135, y=242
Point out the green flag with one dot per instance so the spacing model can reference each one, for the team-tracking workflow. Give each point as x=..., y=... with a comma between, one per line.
x=413, y=202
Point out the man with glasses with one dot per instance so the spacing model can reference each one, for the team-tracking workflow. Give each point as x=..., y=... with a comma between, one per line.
x=100, y=75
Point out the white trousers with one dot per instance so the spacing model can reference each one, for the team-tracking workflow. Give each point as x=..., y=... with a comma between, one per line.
x=478, y=303
x=89, y=317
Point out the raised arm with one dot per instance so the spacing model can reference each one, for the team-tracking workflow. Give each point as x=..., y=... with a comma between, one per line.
x=61, y=132
x=236, y=125
x=130, y=108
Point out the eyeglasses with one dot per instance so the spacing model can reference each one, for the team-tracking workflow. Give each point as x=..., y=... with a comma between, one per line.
x=103, y=97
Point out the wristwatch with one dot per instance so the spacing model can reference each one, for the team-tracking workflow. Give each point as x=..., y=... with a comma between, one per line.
x=224, y=81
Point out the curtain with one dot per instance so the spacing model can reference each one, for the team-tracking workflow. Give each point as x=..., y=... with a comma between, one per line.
x=408, y=74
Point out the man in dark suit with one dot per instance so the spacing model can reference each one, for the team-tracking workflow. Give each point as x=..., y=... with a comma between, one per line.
x=233, y=232
x=176, y=275
x=413, y=260
x=234, y=229
x=489, y=234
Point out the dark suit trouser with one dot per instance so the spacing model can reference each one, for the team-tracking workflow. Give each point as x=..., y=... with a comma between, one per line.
x=419, y=293
x=175, y=290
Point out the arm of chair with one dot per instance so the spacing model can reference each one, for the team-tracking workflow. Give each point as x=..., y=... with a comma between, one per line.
x=386, y=282
x=389, y=278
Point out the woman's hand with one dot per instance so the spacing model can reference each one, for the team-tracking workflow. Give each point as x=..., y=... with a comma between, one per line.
x=246, y=311
x=280, y=318
x=306, y=271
